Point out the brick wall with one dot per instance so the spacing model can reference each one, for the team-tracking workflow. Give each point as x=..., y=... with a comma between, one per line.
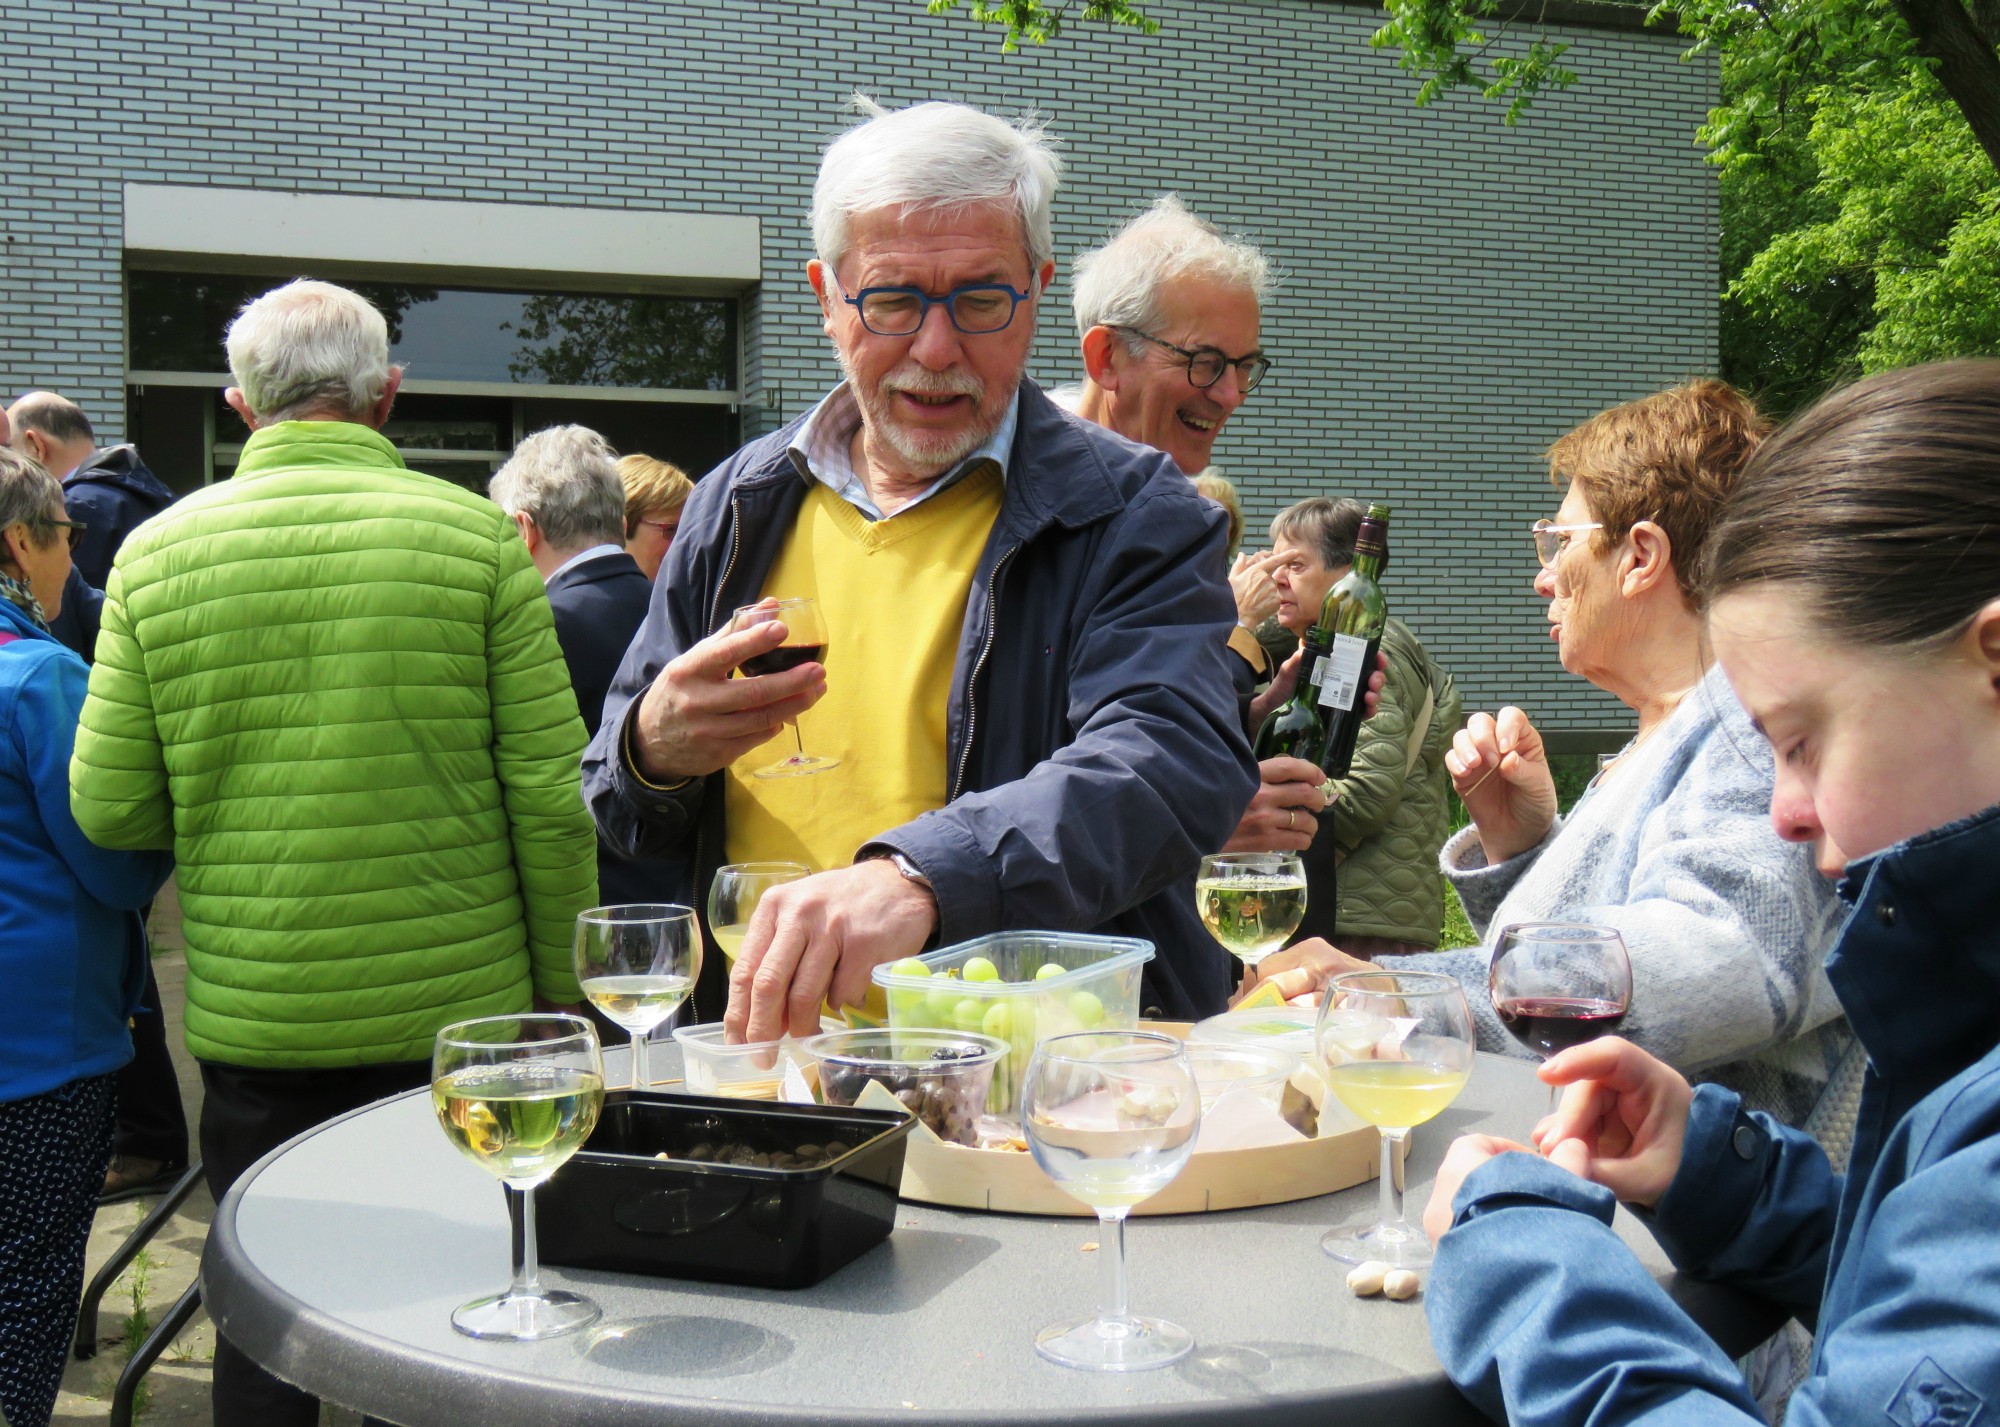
x=1456, y=293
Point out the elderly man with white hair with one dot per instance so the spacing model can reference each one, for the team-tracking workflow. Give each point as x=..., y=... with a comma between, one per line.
x=1023, y=685
x=331, y=685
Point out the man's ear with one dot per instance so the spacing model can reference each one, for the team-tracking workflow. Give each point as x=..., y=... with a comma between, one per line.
x=817, y=275
x=1103, y=350
x=378, y=414
x=1982, y=641
x=234, y=396
x=531, y=533
x=1649, y=560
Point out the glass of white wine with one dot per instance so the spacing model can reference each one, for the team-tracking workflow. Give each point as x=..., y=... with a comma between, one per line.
x=1395, y=1047
x=1111, y=1117
x=1251, y=902
x=517, y=1095
x=734, y=894
x=637, y=963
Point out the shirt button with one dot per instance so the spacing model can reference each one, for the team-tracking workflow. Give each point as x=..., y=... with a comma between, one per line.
x=1885, y=913
x=1747, y=1142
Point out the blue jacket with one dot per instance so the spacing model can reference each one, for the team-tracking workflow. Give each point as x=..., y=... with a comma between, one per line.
x=1539, y=1313
x=111, y=493
x=72, y=951
x=1095, y=747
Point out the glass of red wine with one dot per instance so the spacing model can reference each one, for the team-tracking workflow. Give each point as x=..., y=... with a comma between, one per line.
x=805, y=643
x=1559, y=984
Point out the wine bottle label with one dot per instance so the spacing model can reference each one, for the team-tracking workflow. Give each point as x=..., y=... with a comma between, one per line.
x=1342, y=672
x=1318, y=679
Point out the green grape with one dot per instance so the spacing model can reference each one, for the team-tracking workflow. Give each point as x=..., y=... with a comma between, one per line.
x=980, y=969
x=998, y=1021
x=1049, y=970
x=968, y=1013
x=1088, y=1010
x=910, y=966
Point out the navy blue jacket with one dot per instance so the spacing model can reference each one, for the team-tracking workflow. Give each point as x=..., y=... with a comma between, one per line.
x=599, y=605
x=1540, y=1314
x=112, y=493
x=1095, y=748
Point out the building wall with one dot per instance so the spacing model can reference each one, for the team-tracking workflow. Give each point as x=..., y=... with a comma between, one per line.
x=1456, y=292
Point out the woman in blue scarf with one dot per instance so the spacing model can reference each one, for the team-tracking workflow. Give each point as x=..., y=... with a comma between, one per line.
x=71, y=958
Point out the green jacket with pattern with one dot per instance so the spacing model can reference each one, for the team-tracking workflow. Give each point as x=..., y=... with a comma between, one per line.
x=1389, y=823
x=331, y=685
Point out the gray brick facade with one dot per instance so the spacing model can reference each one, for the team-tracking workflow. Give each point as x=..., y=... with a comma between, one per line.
x=1456, y=293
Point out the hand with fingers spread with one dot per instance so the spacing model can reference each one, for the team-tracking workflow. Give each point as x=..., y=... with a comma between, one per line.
x=1622, y=1121
x=1256, y=592
x=819, y=940
x=1282, y=815
x=1501, y=773
x=695, y=718
x=1299, y=969
x=1466, y=1154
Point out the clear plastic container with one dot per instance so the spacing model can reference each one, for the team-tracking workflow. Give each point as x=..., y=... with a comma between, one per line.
x=941, y=1077
x=750, y=1070
x=1277, y=1027
x=1220, y=1068
x=1096, y=987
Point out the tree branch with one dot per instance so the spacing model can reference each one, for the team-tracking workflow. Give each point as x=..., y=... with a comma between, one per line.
x=1967, y=64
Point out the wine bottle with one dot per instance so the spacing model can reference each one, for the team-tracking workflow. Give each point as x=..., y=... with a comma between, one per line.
x=1354, y=614
x=1295, y=728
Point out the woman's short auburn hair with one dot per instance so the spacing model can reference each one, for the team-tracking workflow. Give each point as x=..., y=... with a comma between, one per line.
x=1670, y=458
x=651, y=486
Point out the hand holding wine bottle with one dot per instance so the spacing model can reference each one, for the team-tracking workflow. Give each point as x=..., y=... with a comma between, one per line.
x=1500, y=771
x=694, y=718
x=1283, y=815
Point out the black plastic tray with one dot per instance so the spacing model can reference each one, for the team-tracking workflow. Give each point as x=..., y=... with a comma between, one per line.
x=614, y=1206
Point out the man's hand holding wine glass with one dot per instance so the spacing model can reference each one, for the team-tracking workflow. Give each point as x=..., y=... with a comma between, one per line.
x=695, y=718
x=1500, y=771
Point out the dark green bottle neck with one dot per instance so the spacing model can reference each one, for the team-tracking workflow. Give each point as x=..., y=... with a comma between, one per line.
x=1369, y=563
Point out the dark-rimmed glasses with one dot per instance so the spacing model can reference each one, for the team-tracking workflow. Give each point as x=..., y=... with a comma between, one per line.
x=1552, y=539
x=975, y=308
x=1205, y=365
x=76, y=529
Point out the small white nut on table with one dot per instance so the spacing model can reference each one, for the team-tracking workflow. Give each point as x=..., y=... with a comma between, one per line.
x=1366, y=1280
x=1400, y=1283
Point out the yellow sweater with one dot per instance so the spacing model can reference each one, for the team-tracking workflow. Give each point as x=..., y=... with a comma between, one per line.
x=893, y=595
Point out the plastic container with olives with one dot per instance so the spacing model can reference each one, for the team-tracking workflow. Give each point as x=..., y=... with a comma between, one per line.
x=941, y=1077
x=1020, y=988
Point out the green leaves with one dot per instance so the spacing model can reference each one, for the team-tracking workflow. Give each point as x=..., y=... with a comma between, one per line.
x=1436, y=35
x=1038, y=22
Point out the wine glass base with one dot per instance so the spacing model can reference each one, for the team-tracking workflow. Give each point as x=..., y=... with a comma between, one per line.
x=797, y=766
x=1397, y=1245
x=1120, y=1345
x=526, y=1317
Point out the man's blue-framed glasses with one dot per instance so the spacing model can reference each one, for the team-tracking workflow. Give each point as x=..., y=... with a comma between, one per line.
x=975, y=309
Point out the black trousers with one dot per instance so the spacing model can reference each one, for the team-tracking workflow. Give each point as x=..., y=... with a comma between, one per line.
x=247, y=1113
x=151, y=1122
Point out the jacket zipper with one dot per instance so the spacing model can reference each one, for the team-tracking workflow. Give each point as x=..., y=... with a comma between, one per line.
x=978, y=668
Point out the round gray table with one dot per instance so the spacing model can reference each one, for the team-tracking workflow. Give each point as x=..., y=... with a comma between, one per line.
x=337, y=1260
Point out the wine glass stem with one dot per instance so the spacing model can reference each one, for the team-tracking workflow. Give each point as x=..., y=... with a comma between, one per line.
x=1111, y=1267
x=527, y=1258
x=1391, y=1196
x=798, y=738
x=641, y=1078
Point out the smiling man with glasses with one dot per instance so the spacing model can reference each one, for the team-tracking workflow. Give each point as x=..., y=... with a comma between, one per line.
x=1022, y=691
x=1169, y=312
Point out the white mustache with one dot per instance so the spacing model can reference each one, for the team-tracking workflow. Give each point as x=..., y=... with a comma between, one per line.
x=920, y=381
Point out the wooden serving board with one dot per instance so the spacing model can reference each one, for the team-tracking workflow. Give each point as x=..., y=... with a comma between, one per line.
x=1009, y=1181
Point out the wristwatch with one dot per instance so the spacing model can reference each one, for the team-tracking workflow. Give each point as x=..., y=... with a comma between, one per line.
x=911, y=872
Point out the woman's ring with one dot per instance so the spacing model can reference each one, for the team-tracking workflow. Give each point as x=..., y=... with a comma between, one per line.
x=1291, y=819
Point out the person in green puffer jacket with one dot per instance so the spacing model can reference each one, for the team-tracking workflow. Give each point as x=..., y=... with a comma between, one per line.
x=332, y=686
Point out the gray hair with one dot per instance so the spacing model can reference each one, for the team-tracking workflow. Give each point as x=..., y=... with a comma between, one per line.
x=1326, y=524
x=936, y=158
x=566, y=480
x=28, y=493
x=1118, y=285
x=56, y=417
x=309, y=349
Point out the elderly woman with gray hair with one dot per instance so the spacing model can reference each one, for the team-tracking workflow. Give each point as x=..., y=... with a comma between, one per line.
x=1725, y=924
x=72, y=957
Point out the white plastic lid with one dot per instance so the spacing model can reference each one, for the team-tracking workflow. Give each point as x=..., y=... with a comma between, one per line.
x=1283, y=1027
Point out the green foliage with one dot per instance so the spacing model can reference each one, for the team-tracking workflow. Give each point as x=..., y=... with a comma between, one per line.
x=1038, y=22
x=1447, y=43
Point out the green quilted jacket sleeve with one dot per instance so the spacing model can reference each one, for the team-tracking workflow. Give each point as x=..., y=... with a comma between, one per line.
x=117, y=774
x=538, y=740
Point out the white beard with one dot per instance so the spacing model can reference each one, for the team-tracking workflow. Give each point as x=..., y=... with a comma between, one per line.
x=932, y=452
